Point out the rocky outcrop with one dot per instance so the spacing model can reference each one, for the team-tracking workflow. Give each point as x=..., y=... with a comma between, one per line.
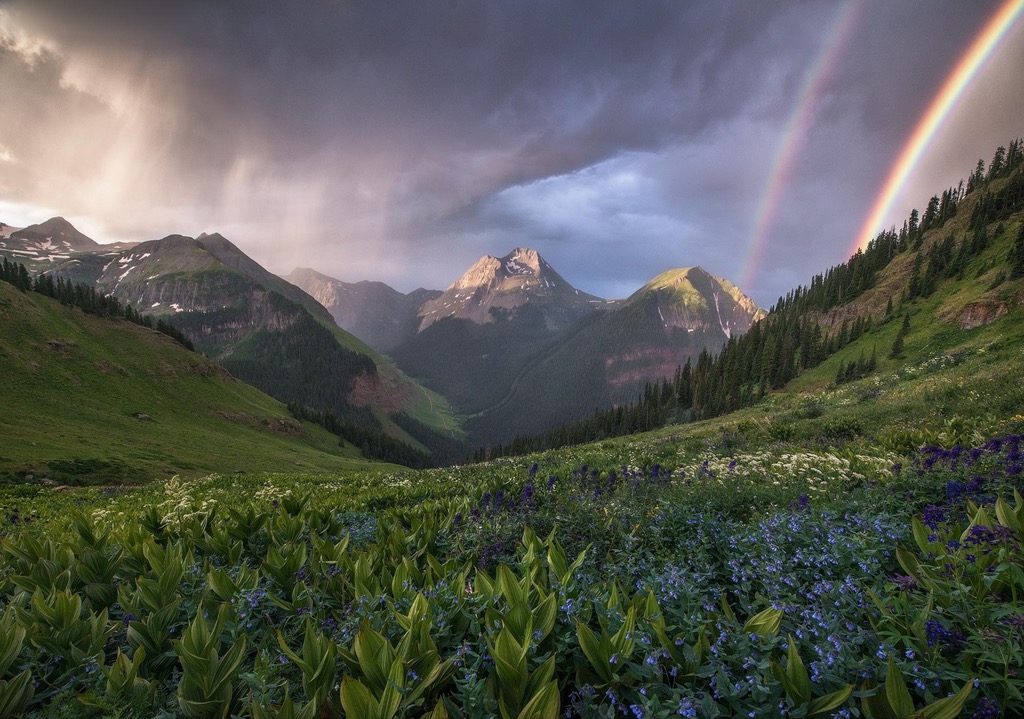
x=977, y=314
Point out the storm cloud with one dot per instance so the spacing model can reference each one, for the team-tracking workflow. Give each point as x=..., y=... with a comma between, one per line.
x=400, y=141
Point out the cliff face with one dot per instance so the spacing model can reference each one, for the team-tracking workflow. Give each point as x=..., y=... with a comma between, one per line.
x=378, y=314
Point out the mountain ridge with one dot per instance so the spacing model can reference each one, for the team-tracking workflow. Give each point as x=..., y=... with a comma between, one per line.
x=374, y=312
x=264, y=329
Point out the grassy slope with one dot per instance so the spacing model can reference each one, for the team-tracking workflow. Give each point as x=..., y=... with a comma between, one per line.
x=73, y=386
x=953, y=387
x=950, y=385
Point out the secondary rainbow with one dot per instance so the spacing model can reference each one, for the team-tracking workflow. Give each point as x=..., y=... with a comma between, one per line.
x=979, y=51
x=793, y=136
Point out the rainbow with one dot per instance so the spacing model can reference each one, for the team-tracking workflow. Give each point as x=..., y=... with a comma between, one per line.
x=793, y=135
x=979, y=51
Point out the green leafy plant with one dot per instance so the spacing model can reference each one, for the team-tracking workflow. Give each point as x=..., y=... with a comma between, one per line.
x=893, y=700
x=206, y=689
x=15, y=691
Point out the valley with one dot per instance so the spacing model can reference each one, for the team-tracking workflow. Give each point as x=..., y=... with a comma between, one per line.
x=511, y=360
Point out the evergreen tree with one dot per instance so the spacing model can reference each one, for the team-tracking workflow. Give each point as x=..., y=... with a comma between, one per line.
x=897, y=345
x=841, y=373
x=995, y=169
x=977, y=177
x=1017, y=254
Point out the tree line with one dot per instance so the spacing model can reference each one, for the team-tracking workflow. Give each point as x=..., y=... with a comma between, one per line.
x=372, y=443
x=85, y=298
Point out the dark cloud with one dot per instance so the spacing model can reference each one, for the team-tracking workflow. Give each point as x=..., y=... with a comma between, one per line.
x=401, y=140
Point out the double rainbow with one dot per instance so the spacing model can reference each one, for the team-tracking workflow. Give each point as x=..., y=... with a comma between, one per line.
x=971, y=62
x=834, y=42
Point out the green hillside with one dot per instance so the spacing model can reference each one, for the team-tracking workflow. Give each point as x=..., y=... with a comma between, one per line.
x=105, y=400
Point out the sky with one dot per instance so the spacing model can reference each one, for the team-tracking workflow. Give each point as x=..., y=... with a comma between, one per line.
x=400, y=141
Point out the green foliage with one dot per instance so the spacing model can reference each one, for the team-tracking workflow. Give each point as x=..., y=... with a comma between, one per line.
x=182, y=413
x=894, y=700
x=799, y=691
x=299, y=611
x=206, y=688
x=15, y=688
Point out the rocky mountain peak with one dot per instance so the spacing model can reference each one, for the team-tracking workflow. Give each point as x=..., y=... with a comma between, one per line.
x=57, y=232
x=496, y=286
x=522, y=263
x=523, y=260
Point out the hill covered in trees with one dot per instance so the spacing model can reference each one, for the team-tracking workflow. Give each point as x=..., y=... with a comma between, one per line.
x=959, y=264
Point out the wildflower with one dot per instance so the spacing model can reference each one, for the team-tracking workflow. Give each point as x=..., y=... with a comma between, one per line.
x=686, y=708
x=986, y=709
x=949, y=641
x=1016, y=621
x=904, y=583
x=933, y=516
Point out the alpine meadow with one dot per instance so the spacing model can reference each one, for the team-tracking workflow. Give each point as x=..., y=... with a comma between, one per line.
x=278, y=477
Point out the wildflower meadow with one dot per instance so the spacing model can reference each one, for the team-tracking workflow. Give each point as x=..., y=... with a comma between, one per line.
x=802, y=582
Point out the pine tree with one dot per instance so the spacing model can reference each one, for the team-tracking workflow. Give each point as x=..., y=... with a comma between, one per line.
x=1017, y=255
x=841, y=373
x=24, y=283
x=897, y=345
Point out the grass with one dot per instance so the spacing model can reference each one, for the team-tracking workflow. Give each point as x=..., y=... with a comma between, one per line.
x=79, y=388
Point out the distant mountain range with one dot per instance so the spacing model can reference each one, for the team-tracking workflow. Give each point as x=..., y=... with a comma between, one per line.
x=379, y=315
x=512, y=348
x=264, y=330
x=511, y=344
x=519, y=350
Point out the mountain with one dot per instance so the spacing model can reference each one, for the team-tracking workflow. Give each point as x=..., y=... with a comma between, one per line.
x=263, y=329
x=608, y=358
x=496, y=288
x=519, y=350
x=480, y=334
x=708, y=309
x=377, y=314
x=38, y=247
x=90, y=398
x=56, y=232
